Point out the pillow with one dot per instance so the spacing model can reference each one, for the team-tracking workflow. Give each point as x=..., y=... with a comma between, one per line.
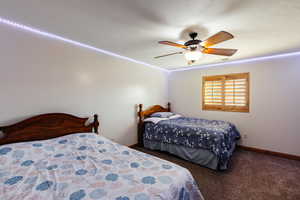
x=175, y=116
x=162, y=114
x=154, y=120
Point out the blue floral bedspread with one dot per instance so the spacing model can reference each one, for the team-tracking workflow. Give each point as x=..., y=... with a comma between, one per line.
x=214, y=135
x=87, y=166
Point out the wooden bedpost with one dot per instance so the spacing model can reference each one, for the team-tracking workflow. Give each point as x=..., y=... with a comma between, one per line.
x=169, y=106
x=140, y=126
x=96, y=123
x=140, y=113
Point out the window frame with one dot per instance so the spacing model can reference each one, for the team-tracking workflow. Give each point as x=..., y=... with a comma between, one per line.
x=224, y=107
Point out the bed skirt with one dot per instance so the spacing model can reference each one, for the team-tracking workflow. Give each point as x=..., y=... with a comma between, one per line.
x=202, y=157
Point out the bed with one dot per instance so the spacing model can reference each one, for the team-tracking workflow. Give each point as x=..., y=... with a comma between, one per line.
x=60, y=156
x=209, y=143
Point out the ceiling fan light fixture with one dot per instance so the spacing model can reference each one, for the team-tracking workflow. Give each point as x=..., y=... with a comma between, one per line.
x=192, y=56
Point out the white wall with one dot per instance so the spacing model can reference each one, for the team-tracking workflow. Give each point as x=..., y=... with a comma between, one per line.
x=42, y=75
x=274, y=119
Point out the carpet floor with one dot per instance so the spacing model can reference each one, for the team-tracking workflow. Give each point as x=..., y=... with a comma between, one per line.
x=251, y=176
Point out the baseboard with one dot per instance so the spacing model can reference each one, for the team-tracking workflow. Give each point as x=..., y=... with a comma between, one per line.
x=134, y=145
x=273, y=153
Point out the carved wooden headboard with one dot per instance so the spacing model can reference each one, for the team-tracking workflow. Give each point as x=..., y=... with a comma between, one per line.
x=46, y=126
x=153, y=109
x=142, y=114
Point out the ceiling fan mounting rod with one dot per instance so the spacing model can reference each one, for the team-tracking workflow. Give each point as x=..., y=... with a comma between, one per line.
x=193, y=35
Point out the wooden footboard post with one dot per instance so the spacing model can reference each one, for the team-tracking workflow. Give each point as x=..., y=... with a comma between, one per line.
x=169, y=106
x=140, y=126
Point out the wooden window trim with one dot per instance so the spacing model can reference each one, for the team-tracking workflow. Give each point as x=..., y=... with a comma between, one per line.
x=222, y=107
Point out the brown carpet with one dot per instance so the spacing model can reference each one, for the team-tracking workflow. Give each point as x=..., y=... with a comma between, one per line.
x=251, y=176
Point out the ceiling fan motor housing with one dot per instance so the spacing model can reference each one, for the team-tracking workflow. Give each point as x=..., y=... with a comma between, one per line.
x=192, y=42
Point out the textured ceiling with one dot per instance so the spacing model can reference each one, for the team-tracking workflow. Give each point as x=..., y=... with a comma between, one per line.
x=132, y=28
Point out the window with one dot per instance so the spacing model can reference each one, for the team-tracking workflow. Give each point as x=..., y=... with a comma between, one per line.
x=226, y=92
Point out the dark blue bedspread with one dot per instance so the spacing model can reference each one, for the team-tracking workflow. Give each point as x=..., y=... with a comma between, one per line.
x=214, y=135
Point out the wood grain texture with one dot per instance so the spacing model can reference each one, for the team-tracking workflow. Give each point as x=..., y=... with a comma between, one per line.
x=46, y=126
x=217, y=38
x=142, y=114
x=219, y=51
x=173, y=44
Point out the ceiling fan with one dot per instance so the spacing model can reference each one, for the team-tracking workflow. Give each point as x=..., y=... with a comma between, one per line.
x=194, y=48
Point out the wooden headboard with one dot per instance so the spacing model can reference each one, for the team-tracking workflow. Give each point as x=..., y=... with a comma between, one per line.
x=142, y=114
x=153, y=109
x=46, y=126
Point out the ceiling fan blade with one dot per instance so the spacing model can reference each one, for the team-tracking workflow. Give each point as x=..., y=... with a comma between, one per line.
x=219, y=51
x=170, y=54
x=173, y=44
x=217, y=38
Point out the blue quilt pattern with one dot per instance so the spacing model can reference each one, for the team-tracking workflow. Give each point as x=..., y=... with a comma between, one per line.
x=214, y=135
x=86, y=166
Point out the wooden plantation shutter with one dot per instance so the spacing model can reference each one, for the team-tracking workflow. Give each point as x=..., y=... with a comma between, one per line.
x=213, y=92
x=226, y=92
